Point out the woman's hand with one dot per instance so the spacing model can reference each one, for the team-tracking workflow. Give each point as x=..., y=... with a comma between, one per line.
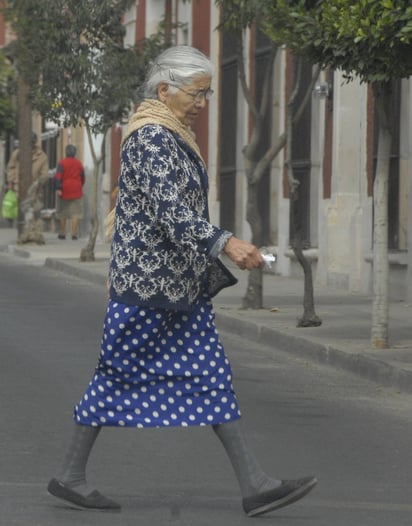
x=243, y=254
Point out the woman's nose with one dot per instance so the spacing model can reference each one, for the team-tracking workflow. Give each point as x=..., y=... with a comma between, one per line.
x=201, y=102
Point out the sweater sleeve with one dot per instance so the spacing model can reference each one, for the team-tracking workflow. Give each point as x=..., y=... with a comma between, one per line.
x=58, y=177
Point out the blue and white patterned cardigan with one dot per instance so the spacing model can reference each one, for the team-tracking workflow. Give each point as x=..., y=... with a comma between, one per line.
x=163, y=242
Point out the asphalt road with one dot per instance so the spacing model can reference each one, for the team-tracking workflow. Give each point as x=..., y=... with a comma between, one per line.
x=301, y=418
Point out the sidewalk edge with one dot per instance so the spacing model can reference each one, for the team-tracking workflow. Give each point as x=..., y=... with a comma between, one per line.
x=381, y=373
x=372, y=369
x=15, y=250
x=83, y=273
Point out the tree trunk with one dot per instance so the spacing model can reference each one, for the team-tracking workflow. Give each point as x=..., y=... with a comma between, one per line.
x=309, y=317
x=87, y=253
x=25, y=150
x=253, y=298
x=379, y=332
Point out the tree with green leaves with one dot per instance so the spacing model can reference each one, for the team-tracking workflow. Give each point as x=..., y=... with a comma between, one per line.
x=237, y=17
x=7, y=88
x=26, y=69
x=89, y=78
x=372, y=40
x=78, y=70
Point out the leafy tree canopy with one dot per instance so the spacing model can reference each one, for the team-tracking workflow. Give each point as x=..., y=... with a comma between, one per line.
x=7, y=88
x=73, y=58
x=237, y=15
x=369, y=38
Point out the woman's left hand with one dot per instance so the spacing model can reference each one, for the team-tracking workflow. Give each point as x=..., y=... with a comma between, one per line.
x=243, y=254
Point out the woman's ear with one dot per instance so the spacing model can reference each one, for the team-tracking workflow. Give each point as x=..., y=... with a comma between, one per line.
x=163, y=91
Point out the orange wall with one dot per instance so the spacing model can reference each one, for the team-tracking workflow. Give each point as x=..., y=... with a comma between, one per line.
x=201, y=40
x=140, y=19
x=2, y=31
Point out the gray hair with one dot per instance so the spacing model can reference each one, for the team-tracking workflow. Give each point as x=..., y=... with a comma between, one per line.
x=177, y=66
x=70, y=150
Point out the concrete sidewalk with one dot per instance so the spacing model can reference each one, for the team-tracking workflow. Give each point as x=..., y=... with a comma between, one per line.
x=342, y=341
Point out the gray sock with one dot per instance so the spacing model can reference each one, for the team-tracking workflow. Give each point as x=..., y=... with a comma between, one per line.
x=252, y=479
x=73, y=470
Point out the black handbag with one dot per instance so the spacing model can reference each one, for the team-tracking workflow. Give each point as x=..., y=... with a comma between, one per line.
x=219, y=277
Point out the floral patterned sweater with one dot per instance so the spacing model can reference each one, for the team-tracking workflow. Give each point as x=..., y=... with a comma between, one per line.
x=163, y=244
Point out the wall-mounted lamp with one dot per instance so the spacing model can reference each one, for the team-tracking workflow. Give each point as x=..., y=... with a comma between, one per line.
x=323, y=90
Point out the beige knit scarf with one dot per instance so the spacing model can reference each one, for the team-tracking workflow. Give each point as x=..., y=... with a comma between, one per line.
x=153, y=111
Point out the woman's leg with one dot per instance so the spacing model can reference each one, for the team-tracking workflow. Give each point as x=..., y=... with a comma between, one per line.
x=260, y=492
x=73, y=469
x=251, y=477
x=70, y=483
x=62, y=222
x=75, y=227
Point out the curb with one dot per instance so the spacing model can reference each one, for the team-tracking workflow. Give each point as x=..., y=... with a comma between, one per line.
x=83, y=273
x=377, y=371
x=14, y=250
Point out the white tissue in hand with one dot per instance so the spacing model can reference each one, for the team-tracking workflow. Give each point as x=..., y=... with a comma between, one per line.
x=269, y=258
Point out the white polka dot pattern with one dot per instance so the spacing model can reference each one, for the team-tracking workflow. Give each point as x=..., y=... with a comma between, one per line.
x=159, y=368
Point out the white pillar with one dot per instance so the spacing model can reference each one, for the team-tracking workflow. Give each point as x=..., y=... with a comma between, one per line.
x=344, y=239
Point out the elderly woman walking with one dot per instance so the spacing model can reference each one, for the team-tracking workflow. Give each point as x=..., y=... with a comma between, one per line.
x=161, y=362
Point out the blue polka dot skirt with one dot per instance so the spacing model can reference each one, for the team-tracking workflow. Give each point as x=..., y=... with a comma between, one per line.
x=159, y=368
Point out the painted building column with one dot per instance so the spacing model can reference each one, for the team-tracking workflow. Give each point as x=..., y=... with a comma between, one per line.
x=409, y=223
x=342, y=234
x=281, y=237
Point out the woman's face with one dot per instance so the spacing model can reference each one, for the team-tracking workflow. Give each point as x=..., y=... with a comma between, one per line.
x=189, y=99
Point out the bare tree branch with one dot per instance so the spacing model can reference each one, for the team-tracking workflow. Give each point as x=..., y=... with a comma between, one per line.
x=242, y=76
x=274, y=150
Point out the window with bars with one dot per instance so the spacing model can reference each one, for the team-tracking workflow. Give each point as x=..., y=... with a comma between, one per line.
x=228, y=125
x=300, y=161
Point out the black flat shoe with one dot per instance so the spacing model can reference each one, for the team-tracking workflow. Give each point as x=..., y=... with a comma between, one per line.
x=289, y=491
x=94, y=500
x=61, y=236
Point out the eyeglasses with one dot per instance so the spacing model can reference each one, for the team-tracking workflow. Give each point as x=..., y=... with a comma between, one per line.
x=198, y=96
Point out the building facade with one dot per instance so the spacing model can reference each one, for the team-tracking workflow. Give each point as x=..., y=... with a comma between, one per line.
x=334, y=160
x=333, y=157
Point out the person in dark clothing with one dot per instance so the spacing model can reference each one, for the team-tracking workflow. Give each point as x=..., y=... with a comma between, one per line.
x=161, y=362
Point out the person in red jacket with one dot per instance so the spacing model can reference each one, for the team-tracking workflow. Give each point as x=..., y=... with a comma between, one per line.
x=69, y=181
